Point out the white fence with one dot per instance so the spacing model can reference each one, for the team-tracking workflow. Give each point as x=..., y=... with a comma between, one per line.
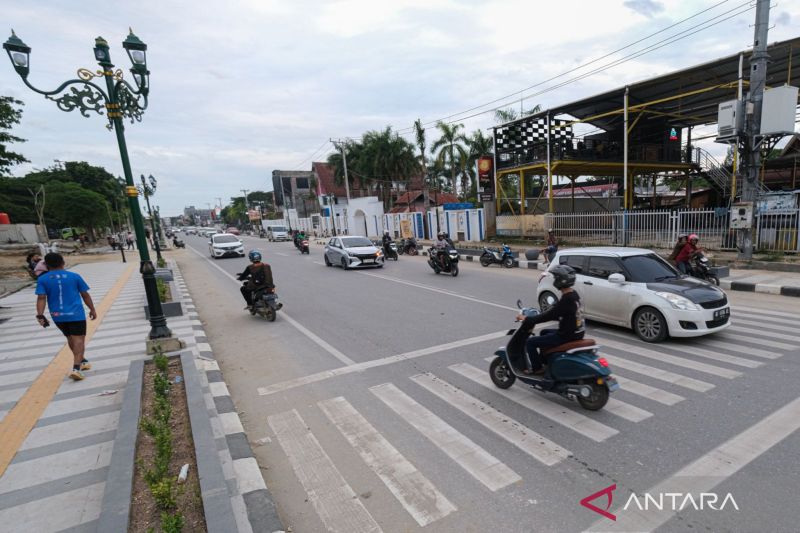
x=393, y=221
x=462, y=225
x=775, y=231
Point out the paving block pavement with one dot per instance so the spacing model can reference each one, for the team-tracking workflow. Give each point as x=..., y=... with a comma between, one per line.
x=55, y=479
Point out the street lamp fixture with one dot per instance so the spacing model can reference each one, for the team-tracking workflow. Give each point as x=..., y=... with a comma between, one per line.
x=117, y=100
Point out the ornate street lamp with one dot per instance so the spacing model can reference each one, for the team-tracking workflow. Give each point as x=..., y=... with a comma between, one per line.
x=118, y=100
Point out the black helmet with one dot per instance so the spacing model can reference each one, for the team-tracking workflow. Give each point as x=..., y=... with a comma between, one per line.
x=564, y=276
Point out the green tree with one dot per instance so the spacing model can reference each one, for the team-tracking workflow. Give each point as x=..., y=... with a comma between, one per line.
x=419, y=137
x=449, y=150
x=387, y=158
x=509, y=114
x=73, y=205
x=10, y=115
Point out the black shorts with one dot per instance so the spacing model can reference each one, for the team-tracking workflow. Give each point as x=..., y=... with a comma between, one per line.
x=76, y=328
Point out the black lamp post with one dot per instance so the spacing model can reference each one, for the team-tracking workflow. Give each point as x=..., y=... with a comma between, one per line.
x=147, y=191
x=119, y=99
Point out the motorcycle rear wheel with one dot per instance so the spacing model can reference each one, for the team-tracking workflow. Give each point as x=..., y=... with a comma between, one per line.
x=500, y=374
x=412, y=251
x=597, y=400
x=270, y=314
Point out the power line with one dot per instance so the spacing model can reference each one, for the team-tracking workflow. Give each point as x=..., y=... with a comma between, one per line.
x=304, y=161
x=645, y=50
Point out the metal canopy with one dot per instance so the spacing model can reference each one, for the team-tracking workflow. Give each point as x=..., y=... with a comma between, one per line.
x=687, y=97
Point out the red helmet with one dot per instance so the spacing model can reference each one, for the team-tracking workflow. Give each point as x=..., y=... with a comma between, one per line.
x=693, y=237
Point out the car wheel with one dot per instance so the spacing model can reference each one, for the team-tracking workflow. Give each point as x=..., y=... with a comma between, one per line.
x=546, y=301
x=650, y=325
x=327, y=261
x=345, y=266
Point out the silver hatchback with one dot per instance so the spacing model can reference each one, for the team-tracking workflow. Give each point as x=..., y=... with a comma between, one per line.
x=350, y=252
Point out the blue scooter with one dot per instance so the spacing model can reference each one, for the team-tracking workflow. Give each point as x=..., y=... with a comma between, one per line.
x=574, y=370
x=504, y=257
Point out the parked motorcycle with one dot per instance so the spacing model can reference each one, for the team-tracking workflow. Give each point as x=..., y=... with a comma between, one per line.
x=390, y=250
x=266, y=305
x=701, y=268
x=574, y=370
x=408, y=246
x=503, y=257
x=177, y=243
x=303, y=247
x=448, y=264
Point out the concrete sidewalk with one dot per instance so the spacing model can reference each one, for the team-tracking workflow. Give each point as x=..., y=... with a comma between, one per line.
x=57, y=477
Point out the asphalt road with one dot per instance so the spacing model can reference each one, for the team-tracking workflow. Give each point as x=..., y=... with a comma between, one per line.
x=369, y=406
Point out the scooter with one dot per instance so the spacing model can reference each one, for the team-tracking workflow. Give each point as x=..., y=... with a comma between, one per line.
x=266, y=305
x=407, y=246
x=390, y=250
x=574, y=370
x=177, y=243
x=701, y=268
x=491, y=256
x=303, y=247
x=450, y=264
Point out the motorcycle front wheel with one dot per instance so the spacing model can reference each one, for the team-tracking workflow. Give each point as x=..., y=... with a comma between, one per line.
x=454, y=270
x=500, y=374
x=508, y=262
x=714, y=280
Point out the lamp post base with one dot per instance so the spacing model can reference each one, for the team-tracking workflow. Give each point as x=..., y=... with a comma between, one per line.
x=164, y=345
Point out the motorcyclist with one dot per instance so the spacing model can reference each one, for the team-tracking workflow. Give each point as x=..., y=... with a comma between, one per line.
x=686, y=254
x=682, y=240
x=386, y=240
x=257, y=276
x=441, y=246
x=569, y=313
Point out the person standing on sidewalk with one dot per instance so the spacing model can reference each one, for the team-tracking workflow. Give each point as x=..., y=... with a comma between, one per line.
x=65, y=293
x=129, y=240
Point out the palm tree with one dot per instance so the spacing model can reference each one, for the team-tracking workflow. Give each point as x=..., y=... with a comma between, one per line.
x=419, y=135
x=479, y=145
x=509, y=114
x=353, y=150
x=450, y=149
x=387, y=158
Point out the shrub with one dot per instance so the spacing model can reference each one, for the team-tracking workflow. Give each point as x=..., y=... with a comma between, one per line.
x=164, y=493
x=171, y=523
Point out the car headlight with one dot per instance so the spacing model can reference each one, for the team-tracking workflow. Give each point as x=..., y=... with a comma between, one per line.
x=378, y=253
x=679, y=302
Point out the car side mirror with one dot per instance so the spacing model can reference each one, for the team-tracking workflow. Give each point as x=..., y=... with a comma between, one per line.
x=616, y=278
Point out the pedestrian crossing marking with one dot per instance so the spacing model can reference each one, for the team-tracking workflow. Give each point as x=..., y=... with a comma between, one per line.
x=527, y=440
x=413, y=490
x=333, y=499
x=659, y=374
x=673, y=360
x=646, y=391
x=762, y=311
x=560, y=414
x=741, y=348
x=768, y=319
x=479, y=463
x=731, y=335
x=769, y=334
x=626, y=410
x=763, y=325
x=692, y=350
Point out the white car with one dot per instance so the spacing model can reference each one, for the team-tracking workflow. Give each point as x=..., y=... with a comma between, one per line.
x=225, y=245
x=637, y=289
x=351, y=252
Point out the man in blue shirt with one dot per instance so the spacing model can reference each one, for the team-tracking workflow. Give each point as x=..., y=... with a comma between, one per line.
x=65, y=293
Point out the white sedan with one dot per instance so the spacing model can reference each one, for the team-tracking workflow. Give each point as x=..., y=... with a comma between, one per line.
x=225, y=245
x=637, y=289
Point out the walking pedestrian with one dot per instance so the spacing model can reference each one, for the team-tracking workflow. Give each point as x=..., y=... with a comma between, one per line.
x=129, y=240
x=65, y=292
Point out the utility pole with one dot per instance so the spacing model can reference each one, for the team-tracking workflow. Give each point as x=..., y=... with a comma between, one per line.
x=246, y=203
x=751, y=148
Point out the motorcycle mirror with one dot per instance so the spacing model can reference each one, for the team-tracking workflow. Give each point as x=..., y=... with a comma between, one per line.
x=511, y=332
x=519, y=304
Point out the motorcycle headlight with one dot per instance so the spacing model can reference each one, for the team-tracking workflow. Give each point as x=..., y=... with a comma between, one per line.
x=679, y=302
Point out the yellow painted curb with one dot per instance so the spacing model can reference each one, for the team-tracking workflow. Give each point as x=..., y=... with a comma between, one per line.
x=19, y=421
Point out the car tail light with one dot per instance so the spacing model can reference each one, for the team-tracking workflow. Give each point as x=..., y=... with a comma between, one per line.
x=603, y=362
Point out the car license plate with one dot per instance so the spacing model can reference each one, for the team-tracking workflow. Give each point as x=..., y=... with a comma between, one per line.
x=612, y=384
x=722, y=313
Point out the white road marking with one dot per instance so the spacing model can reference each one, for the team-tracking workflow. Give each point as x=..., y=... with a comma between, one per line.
x=657, y=373
x=780, y=336
x=730, y=335
x=694, y=350
x=742, y=348
x=711, y=469
x=337, y=505
x=413, y=490
x=360, y=367
x=557, y=413
x=440, y=291
x=302, y=329
x=540, y=448
x=763, y=311
x=767, y=319
x=764, y=325
x=653, y=393
x=673, y=360
x=479, y=463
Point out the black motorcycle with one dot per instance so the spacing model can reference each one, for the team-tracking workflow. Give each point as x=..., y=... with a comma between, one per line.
x=407, y=246
x=701, y=268
x=266, y=304
x=302, y=245
x=177, y=243
x=443, y=261
x=390, y=250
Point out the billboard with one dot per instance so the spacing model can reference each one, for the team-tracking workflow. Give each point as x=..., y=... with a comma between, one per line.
x=486, y=178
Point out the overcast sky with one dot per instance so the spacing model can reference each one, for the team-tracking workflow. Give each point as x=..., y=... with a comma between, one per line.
x=243, y=87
